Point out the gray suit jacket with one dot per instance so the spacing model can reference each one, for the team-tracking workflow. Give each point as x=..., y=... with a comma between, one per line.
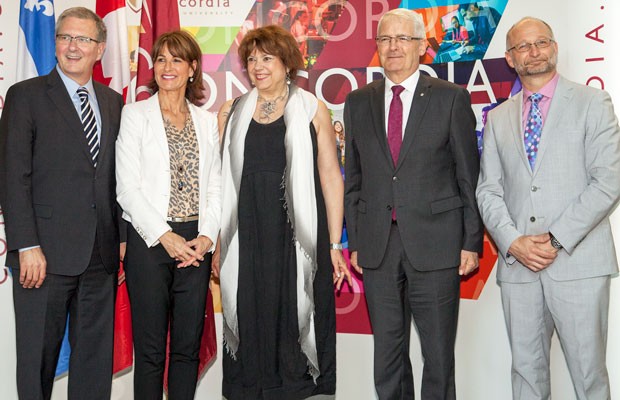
x=432, y=186
x=51, y=193
x=573, y=188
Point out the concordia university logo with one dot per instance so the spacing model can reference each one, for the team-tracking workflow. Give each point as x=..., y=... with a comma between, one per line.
x=48, y=7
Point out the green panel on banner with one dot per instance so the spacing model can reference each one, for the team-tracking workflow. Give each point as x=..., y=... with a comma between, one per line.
x=215, y=40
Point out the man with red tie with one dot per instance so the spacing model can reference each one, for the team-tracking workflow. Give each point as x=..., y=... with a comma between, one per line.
x=412, y=219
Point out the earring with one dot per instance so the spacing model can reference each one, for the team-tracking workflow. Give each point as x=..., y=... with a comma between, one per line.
x=191, y=79
x=288, y=78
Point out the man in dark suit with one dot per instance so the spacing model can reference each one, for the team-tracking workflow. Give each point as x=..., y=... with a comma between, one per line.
x=412, y=219
x=57, y=187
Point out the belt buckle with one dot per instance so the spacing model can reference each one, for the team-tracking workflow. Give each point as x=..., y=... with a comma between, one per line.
x=189, y=218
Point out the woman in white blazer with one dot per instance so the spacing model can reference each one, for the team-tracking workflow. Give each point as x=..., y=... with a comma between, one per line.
x=168, y=184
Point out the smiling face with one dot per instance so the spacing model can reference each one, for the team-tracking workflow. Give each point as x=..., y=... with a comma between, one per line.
x=535, y=61
x=172, y=72
x=399, y=60
x=338, y=126
x=77, y=61
x=267, y=73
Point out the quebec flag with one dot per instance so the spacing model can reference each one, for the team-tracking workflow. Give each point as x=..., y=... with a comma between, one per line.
x=35, y=43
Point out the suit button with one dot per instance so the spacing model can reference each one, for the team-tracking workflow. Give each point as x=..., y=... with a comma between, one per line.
x=534, y=188
x=389, y=207
x=532, y=219
x=93, y=205
x=394, y=178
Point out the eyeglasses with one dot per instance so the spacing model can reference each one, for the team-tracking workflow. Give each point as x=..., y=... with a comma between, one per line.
x=400, y=39
x=81, y=41
x=525, y=46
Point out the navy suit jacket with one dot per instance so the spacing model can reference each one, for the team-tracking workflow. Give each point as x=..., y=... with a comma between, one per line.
x=51, y=194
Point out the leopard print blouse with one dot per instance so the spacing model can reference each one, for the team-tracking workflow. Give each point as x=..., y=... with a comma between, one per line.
x=184, y=166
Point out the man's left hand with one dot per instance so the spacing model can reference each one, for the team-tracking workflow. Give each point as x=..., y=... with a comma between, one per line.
x=469, y=262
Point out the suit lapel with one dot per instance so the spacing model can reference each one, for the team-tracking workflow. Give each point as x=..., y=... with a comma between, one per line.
x=419, y=104
x=156, y=121
x=377, y=109
x=516, y=126
x=61, y=99
x=559, y=105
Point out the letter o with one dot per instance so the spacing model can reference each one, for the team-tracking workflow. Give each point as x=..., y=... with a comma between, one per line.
x=598, y=79
x=330, y=72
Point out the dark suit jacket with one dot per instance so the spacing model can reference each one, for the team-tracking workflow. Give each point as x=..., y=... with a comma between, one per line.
x=50, y=192
x=432, y=187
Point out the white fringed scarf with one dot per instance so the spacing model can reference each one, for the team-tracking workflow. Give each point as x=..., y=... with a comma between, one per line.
x=300, y=203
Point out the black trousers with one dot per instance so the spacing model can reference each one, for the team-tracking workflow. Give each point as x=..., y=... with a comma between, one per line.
x=40, y=320
x=163, y=295
x=395, y=292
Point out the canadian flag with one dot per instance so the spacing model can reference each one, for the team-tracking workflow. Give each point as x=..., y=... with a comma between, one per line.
x=157, y=17
x=113, y=70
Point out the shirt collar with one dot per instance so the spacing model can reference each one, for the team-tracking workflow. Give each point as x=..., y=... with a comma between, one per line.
x=547, y=91
x=409, y=84
x=72, y=86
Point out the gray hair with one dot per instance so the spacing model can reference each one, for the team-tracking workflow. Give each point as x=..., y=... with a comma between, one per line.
x=411, y=16
x=84, y=13
x=524, y=19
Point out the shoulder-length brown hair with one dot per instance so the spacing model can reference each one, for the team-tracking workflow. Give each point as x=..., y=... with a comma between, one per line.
x=183, y=45
x=274, y=40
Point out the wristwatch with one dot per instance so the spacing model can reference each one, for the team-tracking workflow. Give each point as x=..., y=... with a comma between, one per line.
x=554, y=242
x=335, y=246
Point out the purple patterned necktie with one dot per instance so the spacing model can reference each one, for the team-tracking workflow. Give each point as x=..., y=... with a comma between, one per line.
x=395, y=128
x=533, y=129
x=395, y=123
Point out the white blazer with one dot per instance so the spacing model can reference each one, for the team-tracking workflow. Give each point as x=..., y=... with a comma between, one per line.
x=143, y=170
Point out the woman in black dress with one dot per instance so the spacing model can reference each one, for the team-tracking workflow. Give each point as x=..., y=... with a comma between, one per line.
x=281, y=227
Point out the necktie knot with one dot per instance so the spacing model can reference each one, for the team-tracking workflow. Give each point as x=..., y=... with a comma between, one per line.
x=397, y=90
x=535, y=97
x=82, y=92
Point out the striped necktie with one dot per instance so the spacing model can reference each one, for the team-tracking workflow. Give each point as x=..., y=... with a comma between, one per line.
x=89, y=122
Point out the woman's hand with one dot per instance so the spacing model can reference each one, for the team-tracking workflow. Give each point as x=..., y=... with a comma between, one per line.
x=215, y=260
x=201, y=245
x=179, y=249
x=341, y=270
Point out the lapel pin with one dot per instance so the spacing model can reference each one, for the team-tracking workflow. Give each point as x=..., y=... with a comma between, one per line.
x=421, y=94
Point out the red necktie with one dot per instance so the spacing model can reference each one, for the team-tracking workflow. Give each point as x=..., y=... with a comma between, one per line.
x=395, y=128
x=395, y=123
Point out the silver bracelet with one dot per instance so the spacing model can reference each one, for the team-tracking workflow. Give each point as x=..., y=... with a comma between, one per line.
x=335, y=246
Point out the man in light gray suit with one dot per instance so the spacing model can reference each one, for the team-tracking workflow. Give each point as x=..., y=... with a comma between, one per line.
x=549, y=178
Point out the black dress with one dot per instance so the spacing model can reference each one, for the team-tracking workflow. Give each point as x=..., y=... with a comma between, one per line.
x=269, y=363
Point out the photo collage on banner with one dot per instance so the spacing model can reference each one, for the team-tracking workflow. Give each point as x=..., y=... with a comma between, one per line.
x=465, y=45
